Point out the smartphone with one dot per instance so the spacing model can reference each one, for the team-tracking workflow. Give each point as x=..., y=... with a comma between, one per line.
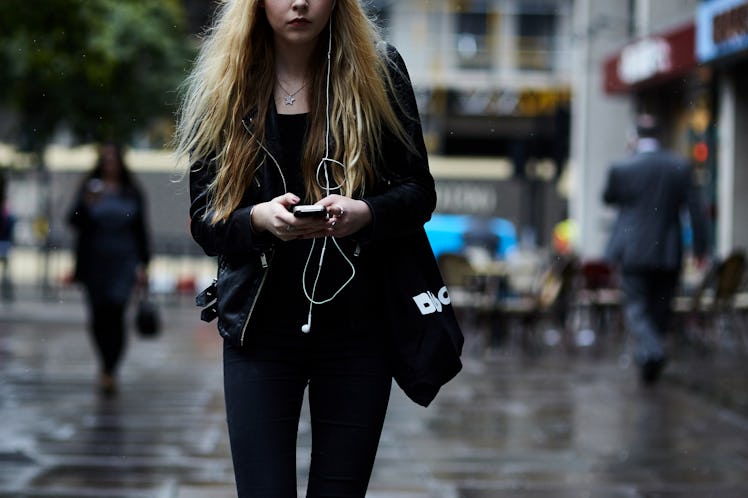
x=311, y=210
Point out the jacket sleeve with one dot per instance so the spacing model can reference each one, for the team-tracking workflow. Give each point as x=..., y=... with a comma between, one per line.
x=409, y=196
x=232, y=237
x=609, y=193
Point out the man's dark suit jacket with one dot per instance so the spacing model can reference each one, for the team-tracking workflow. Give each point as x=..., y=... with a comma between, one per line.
x=652, y=190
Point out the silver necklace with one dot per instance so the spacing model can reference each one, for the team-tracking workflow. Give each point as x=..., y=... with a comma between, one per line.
x=290, y=98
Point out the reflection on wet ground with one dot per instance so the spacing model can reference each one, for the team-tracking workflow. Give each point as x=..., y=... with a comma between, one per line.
x=552, y=425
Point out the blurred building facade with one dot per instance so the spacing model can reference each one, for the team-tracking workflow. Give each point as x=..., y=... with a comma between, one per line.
x=493, y=81
x=684, y=60
x=526, y=102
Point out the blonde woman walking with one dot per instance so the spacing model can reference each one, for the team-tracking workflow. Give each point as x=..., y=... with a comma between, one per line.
x=307, y=159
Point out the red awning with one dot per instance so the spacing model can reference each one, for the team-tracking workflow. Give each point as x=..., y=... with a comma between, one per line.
x=651, y=60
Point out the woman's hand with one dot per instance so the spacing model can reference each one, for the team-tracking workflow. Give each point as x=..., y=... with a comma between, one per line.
x=346, y=216
x=275, y=216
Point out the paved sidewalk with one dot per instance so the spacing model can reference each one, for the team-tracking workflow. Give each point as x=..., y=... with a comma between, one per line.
x=547, y=426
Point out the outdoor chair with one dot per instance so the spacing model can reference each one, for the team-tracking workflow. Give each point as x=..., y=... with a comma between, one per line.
x=540, y=319
x=712, y=318
x=599, y=299
x=467, y=293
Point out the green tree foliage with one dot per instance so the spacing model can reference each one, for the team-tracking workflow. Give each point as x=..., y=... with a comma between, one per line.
x=104, y=69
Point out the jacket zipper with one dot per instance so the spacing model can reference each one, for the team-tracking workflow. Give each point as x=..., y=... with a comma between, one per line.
x=263, y=256
x=265, y=266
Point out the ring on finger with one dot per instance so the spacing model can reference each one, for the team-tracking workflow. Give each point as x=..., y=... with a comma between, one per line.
x=289, y=228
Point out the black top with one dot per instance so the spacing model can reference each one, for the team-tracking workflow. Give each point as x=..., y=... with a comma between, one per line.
x=111, y=241
x=400, y=197
x=283, y=307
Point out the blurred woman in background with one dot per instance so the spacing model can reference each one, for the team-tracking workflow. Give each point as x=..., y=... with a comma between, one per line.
x=112, y=253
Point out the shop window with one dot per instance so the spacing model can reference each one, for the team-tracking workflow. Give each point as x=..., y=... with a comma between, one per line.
x=536, y=39
x=471, y=36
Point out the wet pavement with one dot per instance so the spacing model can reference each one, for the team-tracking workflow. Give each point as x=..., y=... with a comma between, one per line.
x=547, y=425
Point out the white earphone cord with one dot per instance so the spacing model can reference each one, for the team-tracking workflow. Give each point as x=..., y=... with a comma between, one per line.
x=306, y=328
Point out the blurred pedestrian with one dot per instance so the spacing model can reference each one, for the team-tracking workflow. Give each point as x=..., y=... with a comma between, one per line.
x=7, y=225
x=112, y=253
x=272, y=121
x=652, y=189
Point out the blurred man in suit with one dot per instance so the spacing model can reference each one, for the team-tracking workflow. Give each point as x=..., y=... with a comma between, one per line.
x=652, y=188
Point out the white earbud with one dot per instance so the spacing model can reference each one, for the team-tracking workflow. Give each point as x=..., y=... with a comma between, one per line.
x=308, y=325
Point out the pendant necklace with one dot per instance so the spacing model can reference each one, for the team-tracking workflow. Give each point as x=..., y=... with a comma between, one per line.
x=290, y=98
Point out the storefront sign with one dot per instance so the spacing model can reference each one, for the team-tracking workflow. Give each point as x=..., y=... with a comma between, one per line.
x=650, y=60
x=643, y=60
x=467, y=197
x=527, y=102
x=722, y=27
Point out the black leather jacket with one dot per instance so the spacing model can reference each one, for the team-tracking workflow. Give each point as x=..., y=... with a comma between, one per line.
x=401, y=201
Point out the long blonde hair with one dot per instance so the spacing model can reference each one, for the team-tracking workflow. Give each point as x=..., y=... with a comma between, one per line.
x=235, y=73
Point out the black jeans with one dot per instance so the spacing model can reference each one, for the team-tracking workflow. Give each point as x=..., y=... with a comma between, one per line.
x=107, y=327
x=348, y=398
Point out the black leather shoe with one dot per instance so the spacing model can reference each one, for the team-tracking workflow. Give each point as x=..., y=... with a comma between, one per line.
x=651, y=370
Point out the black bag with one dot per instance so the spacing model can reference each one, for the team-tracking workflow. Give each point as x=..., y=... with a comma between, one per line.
x=426, y=337
x=147, y=319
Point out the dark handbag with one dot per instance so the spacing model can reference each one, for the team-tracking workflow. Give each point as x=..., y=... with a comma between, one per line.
x=426, y=337
x=147, y=319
